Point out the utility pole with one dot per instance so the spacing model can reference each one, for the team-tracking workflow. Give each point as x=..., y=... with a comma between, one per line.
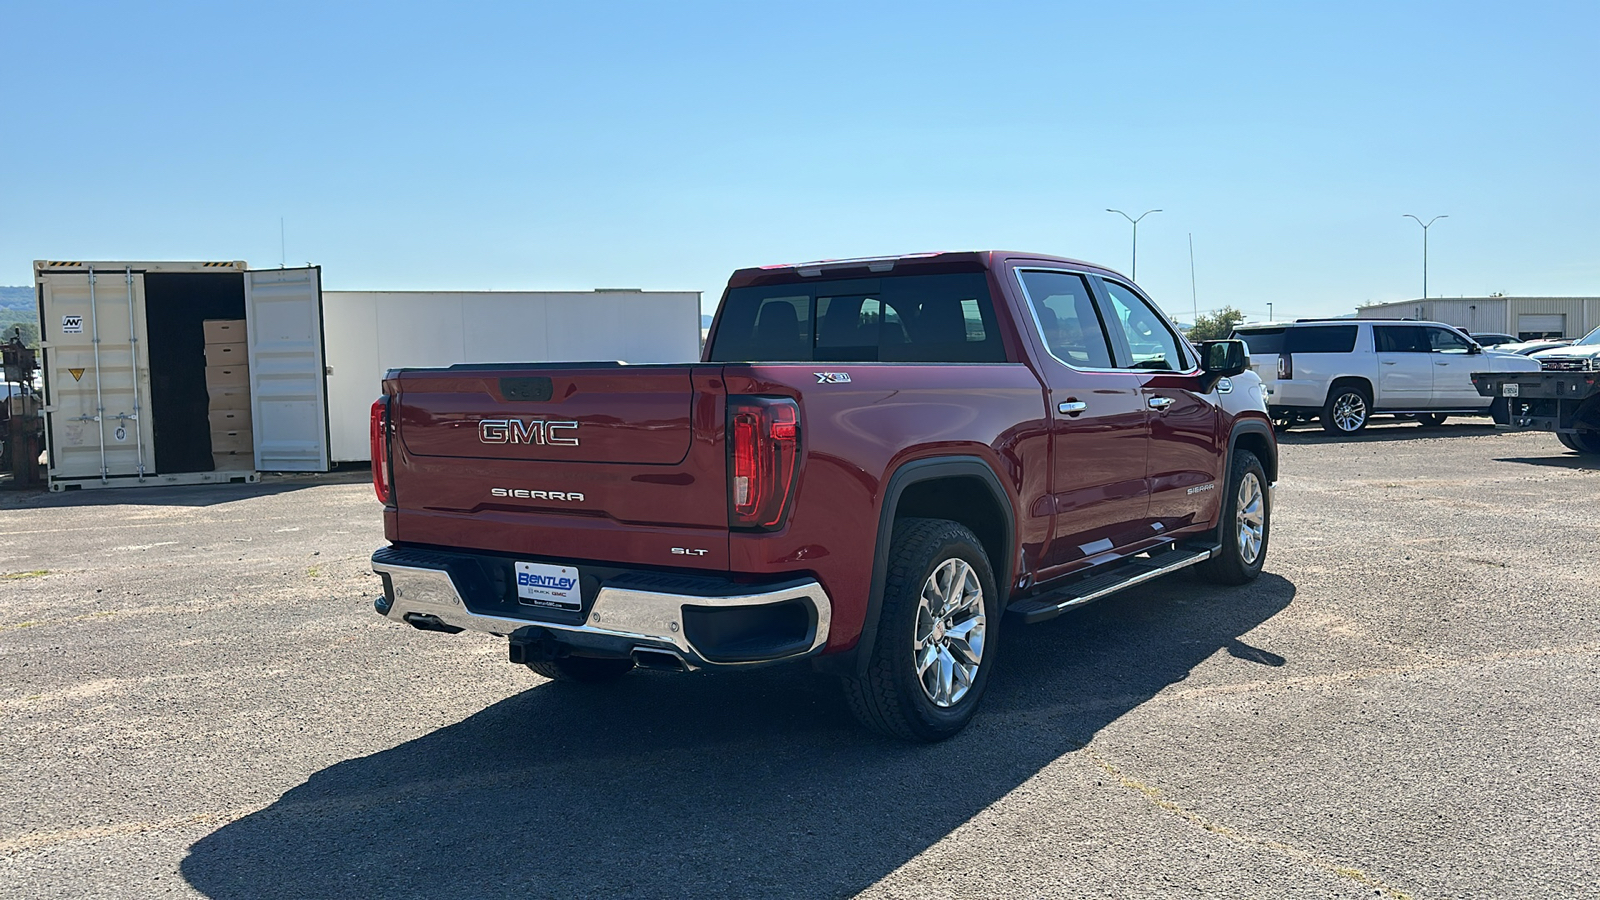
x=1135, y=273
x=1424, y=247
x=1194, y=296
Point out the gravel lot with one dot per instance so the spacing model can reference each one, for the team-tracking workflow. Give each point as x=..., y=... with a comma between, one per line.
x=197, y=700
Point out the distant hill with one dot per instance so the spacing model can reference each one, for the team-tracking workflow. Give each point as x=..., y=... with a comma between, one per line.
x=705, y=321
x=17, y=298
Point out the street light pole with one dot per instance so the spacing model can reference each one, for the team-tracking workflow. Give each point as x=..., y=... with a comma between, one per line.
x=1424, y=247
x=1135, y=274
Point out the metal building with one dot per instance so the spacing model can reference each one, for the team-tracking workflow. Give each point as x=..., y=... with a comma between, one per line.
x=1529, y=318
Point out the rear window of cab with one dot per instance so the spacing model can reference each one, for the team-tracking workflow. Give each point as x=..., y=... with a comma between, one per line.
x=901, y=318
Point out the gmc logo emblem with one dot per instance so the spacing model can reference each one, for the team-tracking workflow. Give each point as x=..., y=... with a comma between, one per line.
x=532, y=431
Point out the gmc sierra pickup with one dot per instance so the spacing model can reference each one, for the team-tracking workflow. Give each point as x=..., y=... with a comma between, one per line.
x=876, y=461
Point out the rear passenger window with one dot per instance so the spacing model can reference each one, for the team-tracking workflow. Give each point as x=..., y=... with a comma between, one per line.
x=1400, y=339
x=1067, y=320
x=1321, y=339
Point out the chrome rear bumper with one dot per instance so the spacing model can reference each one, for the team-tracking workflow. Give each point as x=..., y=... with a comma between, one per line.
x=421, y=594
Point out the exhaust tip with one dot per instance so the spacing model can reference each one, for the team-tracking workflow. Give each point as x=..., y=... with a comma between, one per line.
x=424, y=622
x=659, y=660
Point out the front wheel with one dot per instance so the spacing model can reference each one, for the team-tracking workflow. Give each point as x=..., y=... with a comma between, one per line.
x=935, y=642
x=1244, y=524
x=1347, y=410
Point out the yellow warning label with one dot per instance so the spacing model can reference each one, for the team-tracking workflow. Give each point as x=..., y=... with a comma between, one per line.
x=77, y=374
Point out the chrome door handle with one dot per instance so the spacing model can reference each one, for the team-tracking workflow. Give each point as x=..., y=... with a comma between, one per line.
x=1072, y=407
x=1388, y=362
x=1441, y=364
x=1160, y=403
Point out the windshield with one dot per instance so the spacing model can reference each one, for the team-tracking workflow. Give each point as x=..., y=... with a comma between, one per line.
x=1590, y=339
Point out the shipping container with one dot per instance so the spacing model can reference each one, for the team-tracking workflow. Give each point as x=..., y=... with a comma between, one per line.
x=140, y=357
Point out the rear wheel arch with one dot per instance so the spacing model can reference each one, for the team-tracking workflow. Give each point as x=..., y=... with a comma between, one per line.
x=962, y=489
x=1359, y=381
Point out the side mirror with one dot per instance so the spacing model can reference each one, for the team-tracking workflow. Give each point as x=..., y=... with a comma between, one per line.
x=1473, y=349
x=1219, y=360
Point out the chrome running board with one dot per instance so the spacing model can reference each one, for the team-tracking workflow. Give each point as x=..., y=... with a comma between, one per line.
x=1127, y=574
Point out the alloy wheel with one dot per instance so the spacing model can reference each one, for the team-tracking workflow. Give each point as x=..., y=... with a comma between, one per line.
x=950, y=628
x=1350, y=411
x=1251, y=512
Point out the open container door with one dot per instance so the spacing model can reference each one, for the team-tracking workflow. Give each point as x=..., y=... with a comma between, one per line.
x=97, y=376
x=288, y=390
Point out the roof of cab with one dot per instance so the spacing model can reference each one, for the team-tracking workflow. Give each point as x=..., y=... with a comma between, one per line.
x=935, y=260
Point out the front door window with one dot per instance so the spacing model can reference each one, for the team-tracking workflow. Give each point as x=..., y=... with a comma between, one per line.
x=1151, y=343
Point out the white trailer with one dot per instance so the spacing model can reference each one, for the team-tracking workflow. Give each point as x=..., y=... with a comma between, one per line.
x=369, y=332
x=126, y=381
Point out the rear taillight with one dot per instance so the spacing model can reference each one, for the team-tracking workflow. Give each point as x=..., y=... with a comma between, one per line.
x=382, y=472
x=763, y=454
x=1285, y=366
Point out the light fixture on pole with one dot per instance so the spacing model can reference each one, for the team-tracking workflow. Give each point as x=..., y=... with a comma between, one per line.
x=1135, y=273
x=1424, y=247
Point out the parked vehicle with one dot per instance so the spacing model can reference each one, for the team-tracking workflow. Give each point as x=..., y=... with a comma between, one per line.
x=1528, y=348
x=876, y=460
x=1344, y=371
x=1564, y=397
x=1581, y=355
x=1491, y=338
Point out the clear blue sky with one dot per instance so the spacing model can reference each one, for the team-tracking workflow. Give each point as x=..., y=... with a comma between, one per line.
x=660, y=145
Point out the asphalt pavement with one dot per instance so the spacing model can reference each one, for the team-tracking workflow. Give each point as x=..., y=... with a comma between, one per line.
x=196, y=699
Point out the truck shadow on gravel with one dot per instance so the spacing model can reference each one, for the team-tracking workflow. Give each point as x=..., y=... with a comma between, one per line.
x=744, y=785
x=1563, y=461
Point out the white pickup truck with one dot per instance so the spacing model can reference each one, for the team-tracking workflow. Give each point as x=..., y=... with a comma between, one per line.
x=1564, y=397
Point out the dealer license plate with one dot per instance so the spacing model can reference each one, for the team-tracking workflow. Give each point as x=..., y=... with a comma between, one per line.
x=540, y=584
x=1510, y=390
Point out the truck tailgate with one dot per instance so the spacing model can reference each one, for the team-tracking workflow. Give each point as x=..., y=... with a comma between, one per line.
x=580, y=461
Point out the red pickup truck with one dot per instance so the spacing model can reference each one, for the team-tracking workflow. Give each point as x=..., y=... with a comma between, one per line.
x=876, y=461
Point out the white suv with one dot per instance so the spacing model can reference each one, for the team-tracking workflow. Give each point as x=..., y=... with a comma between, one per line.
x=1344, y=371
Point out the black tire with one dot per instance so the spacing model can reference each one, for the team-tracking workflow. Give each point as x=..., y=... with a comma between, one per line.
x=582, y=669
x=1342, y=413
x=1235, y=565
x=890, y=697
x=1431, y=420
x=1585, y=442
